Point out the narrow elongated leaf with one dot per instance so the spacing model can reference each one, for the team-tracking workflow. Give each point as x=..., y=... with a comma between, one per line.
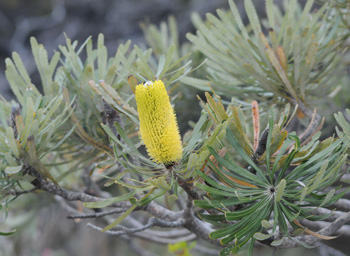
x=120, y=218
x=270, y=13
x=11, y=140
x=8, y=233
x=280, y=190
x=13, y=169
x=278, y=242
x=261, y=237
x=109, y=201
x=233, y=141
x=329, y=196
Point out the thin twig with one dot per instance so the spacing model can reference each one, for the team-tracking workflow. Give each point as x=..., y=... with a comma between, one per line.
x=151, y=222
x=162, y=240
x=18, y=193
x=323, y=211
x=317, y=225
x=41, y=183
x=97, y=214
x=315, y=122
x=311, y=240
x=173, y=233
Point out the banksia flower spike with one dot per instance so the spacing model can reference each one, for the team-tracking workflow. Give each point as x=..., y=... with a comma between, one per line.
x=158, y=124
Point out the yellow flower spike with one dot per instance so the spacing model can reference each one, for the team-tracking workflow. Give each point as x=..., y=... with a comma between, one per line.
x=158, y=124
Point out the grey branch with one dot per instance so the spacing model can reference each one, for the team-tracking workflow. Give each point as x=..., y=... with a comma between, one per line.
x=151, y=222
x=96, y=215
x=317, y=225
x=196, y=226
x=172, y=233
x=323, y=211
x=161, y=212
x=18, y=193
x=188, y=220
x=162, y=240
x=328, y=230
x=315, y=123
x=52, y=188
x=342, y=205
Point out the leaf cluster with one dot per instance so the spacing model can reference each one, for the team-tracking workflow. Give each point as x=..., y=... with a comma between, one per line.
x=66, y=127
x=278, y=184
x=293, y=56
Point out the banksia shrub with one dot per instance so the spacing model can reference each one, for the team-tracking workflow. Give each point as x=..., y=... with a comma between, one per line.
x=239, y=176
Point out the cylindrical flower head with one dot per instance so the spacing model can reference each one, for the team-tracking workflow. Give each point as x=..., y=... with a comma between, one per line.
x=158, y=124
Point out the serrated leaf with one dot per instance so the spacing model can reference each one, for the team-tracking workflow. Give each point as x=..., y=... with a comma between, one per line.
x=253, y=17
x=42, y=62
x=237, y=18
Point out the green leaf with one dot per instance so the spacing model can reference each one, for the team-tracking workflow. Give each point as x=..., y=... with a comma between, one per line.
x=209, y=204
x=280, y=190
x=120, y=218
x=238, y=19
x=278, y=242
x=168, y=58
x=244, y=174
x=101, y=57
x=8, y=233
x=12, y=142
x=247, y=211
x=266, y=224
x=231, y=138
x=270, y=13
x=196, y=133
x=42, y=62
x=13, y=169
x=303, y=194
x=329, y=196
x=109, y=201
x=269, y=138
x=11, y=161
x=313, y=184
x=253, y=17
x=261, y=237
